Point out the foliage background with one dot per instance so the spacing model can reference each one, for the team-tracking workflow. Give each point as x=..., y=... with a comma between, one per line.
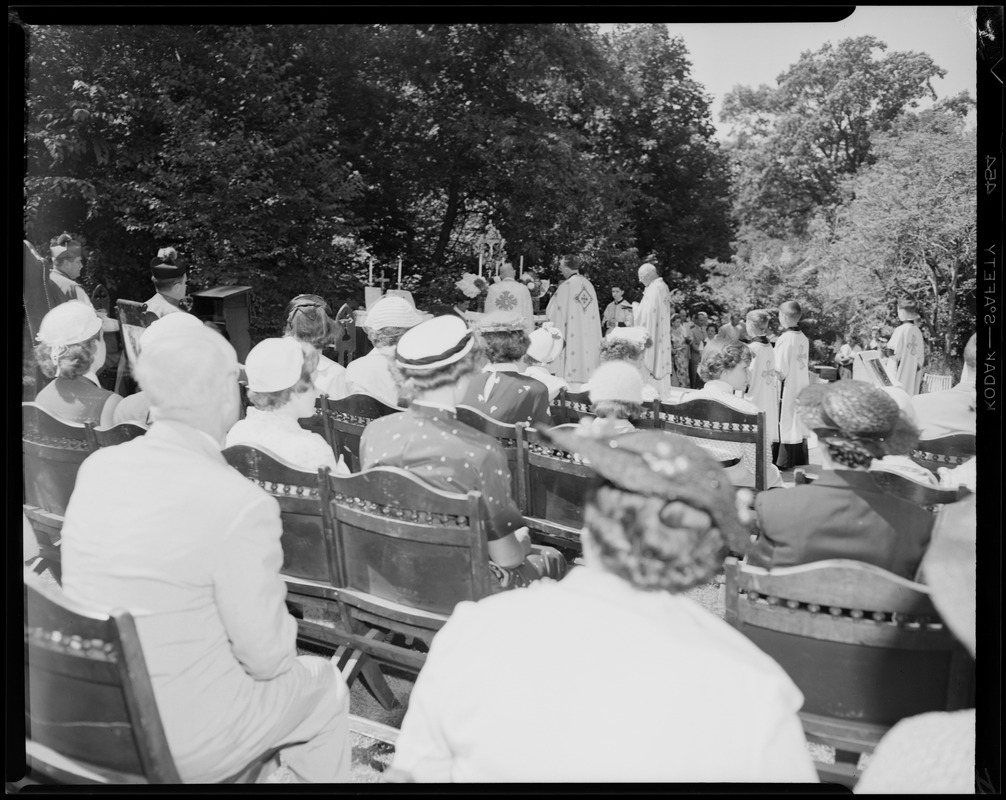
x=287, y=157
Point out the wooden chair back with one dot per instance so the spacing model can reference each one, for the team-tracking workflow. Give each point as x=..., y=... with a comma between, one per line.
x=707, y=421
x=509, y=437
x=90, y=714
x=114, y=434
x=52, y=452
x=308, y=561
x=133, y=319
x=407, y=554
x=557, y=485
x=865, y=647
x=935, y=383
x=318, y=422
x=922, y=494
x=345, y=335
x=576, y=406
x=347, y=417
x=945, y=451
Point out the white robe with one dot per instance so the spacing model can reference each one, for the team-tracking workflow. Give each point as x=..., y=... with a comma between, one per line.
x=511, y=295
x=654, y=314
x=910, y=353
x=574, y=311
x=792, y=351
x=763, y=387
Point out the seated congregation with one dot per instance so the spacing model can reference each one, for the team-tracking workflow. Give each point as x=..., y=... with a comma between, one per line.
x=679, y=481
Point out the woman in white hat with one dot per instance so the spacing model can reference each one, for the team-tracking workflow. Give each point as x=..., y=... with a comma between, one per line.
x=386, y=321
x=628, y=344
x=281, y=389
x=308, y=321
x=544, y=348
x=616, y=398
x=70, y=349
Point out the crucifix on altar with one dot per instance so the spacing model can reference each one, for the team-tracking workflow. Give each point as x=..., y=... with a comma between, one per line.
x=489, y=245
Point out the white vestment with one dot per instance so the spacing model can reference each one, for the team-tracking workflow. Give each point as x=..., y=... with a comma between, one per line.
x=910, y=353
x=654, y=314
x=574, y=311
x=511, y=295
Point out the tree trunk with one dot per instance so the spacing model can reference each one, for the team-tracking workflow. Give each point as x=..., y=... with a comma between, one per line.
x=948, y=339
x=450, y=215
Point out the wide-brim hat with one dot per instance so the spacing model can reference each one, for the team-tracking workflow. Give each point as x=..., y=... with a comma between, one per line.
x=274, y=365
x=163, y=268
x=949, y=568
x=546, y=344
x=392, y=312
x=500, y=322
x=663, y=465
x=68, y=323
x=434, y=343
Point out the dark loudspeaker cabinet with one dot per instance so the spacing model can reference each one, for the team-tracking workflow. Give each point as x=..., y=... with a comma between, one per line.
x=228, y=307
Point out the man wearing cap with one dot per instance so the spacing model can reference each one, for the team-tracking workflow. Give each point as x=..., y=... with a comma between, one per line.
x=501, y=391
x=654, y=315
x=386, y=321
x=544, y=348
x=908, y=347
x=163, y=527
x=169, y=274
x=618, y=313
x=574, y=311
x=510, y=295
x=67, y=264
x=282, y=392
x=436, y=361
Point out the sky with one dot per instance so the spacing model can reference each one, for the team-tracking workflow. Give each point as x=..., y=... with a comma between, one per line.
x=748, y=54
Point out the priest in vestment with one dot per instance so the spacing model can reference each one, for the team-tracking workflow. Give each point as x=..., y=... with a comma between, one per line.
x=510, y=296
x=654, y=315
x=574, y=311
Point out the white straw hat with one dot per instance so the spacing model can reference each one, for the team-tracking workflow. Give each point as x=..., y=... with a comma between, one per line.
x=434, y=343
x=167, y=325
x=616, y=380
x=274, y=365
x=68, y=323
x=392, y=312
x=546, y=344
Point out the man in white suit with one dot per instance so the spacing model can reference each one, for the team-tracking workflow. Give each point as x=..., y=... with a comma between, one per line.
x=163, y=527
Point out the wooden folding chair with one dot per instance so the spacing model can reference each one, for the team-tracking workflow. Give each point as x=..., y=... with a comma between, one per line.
x=345, y=336
x=949, y=451
x=407, y=554
x=509, y=437
x=112, y=435
x=935, y=383
x=309, y=567
x=557, y=484
x=133, y=319
x=47, y=529
x=52, y=452
x=576, y=406
x=866, y=648
x=90, y=712
x=346, y=419
x=712, y=424
x=922, y=494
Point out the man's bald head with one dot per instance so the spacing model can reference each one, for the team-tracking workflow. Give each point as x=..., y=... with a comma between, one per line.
x=507, y=271
x=190, y=373
x=647, y=272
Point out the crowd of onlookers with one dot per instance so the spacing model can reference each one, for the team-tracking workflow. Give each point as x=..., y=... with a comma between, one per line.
x=520, y=686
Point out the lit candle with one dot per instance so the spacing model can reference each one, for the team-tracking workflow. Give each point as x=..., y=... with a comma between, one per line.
x=522, y=266
x=399, y=272
x=370, y=281
x=480, y=264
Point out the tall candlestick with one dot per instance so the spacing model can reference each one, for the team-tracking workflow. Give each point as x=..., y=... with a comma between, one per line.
x=480, y=265
x=399, y=272
x=370, y=280
x=522, y=266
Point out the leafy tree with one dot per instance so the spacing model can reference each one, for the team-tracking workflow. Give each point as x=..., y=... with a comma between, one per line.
x=794, y=143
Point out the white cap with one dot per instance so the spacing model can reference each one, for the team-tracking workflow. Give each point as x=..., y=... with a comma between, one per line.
x=616, y=380
x=434, y=343
x=392, y=312
x=274, y=365
x=546, y=344
x=68, y=323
